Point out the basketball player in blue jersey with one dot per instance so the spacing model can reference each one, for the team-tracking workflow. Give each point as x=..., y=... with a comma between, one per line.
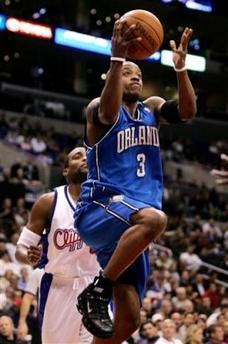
x=119, y=211
x=70, y=265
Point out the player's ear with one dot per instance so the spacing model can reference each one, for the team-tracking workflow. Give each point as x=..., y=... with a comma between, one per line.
x=65, y=172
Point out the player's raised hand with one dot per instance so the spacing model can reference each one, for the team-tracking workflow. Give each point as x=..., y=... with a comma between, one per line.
x=180, y=52
x=121, y=41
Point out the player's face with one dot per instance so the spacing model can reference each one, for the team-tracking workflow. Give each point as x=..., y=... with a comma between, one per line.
x=76, y=172
x=132, y=82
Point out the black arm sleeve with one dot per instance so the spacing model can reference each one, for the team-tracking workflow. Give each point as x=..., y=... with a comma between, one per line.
x=169, y=112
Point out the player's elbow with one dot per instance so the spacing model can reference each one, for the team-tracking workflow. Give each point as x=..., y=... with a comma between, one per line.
x=21, y=254
x=188, y=113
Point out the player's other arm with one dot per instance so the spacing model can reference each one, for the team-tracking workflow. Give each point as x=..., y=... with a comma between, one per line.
x=28, y=250
x=186, y=95
x=22, y=329
x=184, y=108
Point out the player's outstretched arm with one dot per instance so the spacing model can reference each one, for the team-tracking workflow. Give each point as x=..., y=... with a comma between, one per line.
x=186, y=94
x=22, y=329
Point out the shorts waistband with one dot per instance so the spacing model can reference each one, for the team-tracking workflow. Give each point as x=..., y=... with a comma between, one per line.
x=64, y=280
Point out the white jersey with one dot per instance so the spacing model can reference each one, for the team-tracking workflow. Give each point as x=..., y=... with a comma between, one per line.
x=68, y=256
x=72, y=268
x=33, y=284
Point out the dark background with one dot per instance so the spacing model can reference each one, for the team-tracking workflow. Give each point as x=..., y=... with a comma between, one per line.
x=73, y=72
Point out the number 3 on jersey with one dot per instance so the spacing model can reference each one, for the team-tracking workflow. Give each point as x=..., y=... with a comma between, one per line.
x=141, y=171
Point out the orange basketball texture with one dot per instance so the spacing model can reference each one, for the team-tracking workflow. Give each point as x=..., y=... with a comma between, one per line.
x=149, y=27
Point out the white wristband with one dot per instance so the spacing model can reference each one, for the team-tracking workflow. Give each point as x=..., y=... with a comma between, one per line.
x=117, y=59
x=28, y=238
x=180, y=69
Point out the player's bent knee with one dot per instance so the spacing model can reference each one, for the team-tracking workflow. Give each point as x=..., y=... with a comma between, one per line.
x=155, y=220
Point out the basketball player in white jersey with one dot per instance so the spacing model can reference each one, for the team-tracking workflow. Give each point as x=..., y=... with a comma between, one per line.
x=70, y=265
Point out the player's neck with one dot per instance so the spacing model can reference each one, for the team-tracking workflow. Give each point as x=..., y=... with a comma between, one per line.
x=132, y=109
x=74, y=191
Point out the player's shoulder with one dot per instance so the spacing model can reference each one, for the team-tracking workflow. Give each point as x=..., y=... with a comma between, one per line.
x=46, y=199
x=92, y=107
x=95, y=101
x=154, y=102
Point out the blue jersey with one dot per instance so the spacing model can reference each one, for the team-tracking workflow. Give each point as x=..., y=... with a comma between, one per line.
x=127, y=159
x=125, y=175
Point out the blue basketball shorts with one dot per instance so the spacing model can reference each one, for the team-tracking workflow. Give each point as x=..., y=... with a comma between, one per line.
x=101, y=222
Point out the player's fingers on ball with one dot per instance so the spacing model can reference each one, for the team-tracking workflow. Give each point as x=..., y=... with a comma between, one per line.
x=119, y=25
x=133, y=41
x=128, y=33
x=117, y=29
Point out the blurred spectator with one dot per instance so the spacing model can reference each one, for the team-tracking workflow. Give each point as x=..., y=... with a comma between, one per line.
x=38, y=144
x=157, y=319
x=147, y=306
x=55, y=108
x=212, y=293
x=26, y=144
x=35, y=107
x=52, y=146
x=194, y=335
x=20, y=212
x=212, y=229
x=148, y=333
x=201, y=323
x=157, y=285
x=11, y=247
x=199, y=284
x=225, y=329
x=31, y=171
x=143, y=318
x=215, y=334
x=163, y=261
x=180, y=299
x=166, y=308
x=188, y=320
x=189, y=307
x=185, y=278
x=168, y=333
x=221, y=176
x=222, y=309
x=20, y=177
x=177, y=317
x=189, y=260
x=23, y=279
x=6, y=211
x=7, y=331
x=14, y=167
x=204, y=307
x=25, y=126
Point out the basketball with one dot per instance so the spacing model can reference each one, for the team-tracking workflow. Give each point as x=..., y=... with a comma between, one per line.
x=149, y=28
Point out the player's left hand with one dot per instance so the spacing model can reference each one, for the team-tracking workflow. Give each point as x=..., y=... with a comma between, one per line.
x=180, y=52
